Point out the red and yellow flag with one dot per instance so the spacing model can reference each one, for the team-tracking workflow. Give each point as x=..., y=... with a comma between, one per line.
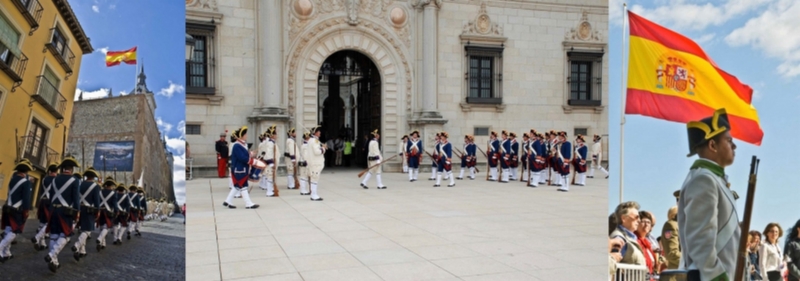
x=116, y=57
x=670, y=77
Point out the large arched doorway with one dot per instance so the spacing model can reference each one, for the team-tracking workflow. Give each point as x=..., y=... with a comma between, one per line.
x=349, y=89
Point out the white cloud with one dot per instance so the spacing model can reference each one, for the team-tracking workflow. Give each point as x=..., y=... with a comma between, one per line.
x=123, y=93
x=775, y=33
x=90, y=95
x=103, y=50
x=163, y=125
x=182, y=128
x=179, y=178
x=683, y=15
x=96, y=8
x=170, y=90
x=707, y=38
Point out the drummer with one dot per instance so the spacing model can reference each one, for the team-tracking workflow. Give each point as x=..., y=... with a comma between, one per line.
x=240, y=162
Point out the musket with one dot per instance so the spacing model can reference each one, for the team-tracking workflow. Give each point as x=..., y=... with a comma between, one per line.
x=275, y=170
x=373, y=166
x=748, y=210
x=432, y=157
x=463, y=154
x=488, y=160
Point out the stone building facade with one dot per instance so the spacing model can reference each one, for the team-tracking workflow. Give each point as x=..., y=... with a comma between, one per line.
x=462, y=66
x=124, y=118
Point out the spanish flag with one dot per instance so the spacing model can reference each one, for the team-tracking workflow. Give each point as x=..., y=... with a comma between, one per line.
x=116, y=57
x=670, y=77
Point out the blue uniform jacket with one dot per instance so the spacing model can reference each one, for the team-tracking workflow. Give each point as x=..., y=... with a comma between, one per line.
x=112, y=201
x=21, y=197
x=93, y=197
x=240, y=162
x=123, y=202
x=471, y=149
x=582, y=151
x=71, y=195
x=566, y=150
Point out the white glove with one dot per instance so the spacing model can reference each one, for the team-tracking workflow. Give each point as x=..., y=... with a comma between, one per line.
x=448, y=162
x=378, y=161
x=293, y=160
x=271, y=165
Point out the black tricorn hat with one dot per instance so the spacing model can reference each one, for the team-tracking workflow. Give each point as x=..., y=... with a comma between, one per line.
x=53, y=167
x=109, y=181
x=90, y=173
x=121, y=187
x=240, y=132
x=702, y=131
x=23, y=166
x=69, y=162
x=375, y=133
x=77, y=175
x=414, y=132
x=444, y=134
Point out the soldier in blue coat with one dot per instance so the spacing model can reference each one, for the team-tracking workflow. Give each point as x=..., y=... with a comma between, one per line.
x=90, y=203
x=468, y=159
x=142, y=210
x=414, y=154
x=43, y=211
x=535, y=159
x=581, y=152
x=565, y=157
x=240, y=165
x=525, y=156
x=65, y=196
x=435, y=158
x=505, y=151
x=493, y=152
x=133, y=211
x=108, y=211
x=121, y=220
x=445, y=152
x=513, y=157
x=15, y=211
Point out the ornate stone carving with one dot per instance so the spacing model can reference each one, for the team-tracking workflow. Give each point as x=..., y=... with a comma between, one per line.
x=303, y=8
x=352, y=11
x=482, y=25
x=202, y=4
x=422, y=3
x=335, y=23
x=398, y=16
x=583, y=32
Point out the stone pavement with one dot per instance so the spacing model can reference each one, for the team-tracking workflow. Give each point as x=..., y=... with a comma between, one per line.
x=477, y=230
x=158, y=255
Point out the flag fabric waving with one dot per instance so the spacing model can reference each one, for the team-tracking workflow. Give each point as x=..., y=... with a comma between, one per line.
x=116, y=57
x=670, y=77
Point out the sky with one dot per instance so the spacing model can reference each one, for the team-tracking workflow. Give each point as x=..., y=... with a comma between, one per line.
x=756, y=41
x=157, y=29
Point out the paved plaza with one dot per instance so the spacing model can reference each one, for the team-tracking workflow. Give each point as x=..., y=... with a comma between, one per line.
x=477, y=230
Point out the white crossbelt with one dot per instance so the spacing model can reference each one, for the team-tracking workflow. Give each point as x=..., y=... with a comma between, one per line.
x=578, y=154
x=121, y=199
x=14, y=189
x=60, y=199
x=46, y=193
x=105, y=201
x=503, y=148
x=132, y=206
x=88, y=191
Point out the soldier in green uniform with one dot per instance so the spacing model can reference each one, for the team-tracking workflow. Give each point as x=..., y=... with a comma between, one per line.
x=670, y=239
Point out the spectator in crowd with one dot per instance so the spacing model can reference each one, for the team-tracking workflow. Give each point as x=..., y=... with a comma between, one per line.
x=792, y=250
x=338, y=145
x=752, y=253
x=627, y=217
x=348, y=151
x=614, y=245
x=645, y=226
x=670, y=239
x=771, y=254
x=223, y=152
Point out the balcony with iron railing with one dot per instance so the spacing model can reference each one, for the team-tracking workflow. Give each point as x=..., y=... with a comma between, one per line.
x=12, y=65
x=32, y=12
x=61, y=51
x=49, y=97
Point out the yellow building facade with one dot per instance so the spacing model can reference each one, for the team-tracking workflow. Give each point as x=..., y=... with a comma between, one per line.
x=41, y=45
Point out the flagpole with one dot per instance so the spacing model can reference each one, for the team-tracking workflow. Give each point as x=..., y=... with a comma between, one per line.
x=622, y=109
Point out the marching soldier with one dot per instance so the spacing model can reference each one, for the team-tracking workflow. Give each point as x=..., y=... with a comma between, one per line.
x=90, y=201
x=108, y=211
x=552, y=149
x=303, y=165
x=579, y=162
x=123, y=205
x=708, y=224
x=468, y=159
x=43, y=212
x=402, y=151
x=564, y=158
x=434, y=158
x=133, y=211
x=374, y=158
x=15, y=211
x=493, y=152
x=505, y=150
x=65, y=197
x=414, y=153
x=597, y=157
x=316, y=161
x=513, y=161
x=271, y=152
x=537, y=160
x=142, y=210
x=444, y=166
x=291, y=152
x=525, y=156
x=261, y=154
x=237, y=194
x=240, y=162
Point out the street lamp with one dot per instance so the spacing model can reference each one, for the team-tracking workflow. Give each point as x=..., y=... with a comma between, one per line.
x=189, y=47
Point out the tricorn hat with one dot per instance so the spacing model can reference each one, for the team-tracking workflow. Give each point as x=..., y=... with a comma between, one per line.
x=120, y=187
x=494, y=133
x=240, y=132
x=677, y=193
x=306, y=135
x=90, y=173
x=53, y=167
x=414, y=132
x=702, y=131
x=597, y=137
x=504, y=132
x=525, y=135
x=512, y=134
x=374, y=133
x=404, y=137
x=444, y=134
x=77, y=175
x=23, y=166
x=290, y=132
x=580, y=137
x=133, y=187
x=109, y=181
x=69, y=162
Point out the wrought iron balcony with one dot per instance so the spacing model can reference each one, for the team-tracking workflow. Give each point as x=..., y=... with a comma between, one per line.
x=12, y=65
x=32, y=12
x=60, y=50
x=48, y=96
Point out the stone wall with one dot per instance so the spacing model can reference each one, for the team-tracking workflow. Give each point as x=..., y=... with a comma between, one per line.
x=122, y=118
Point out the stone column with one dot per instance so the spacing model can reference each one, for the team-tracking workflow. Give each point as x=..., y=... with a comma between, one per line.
x=429, y=58
x=269, y=22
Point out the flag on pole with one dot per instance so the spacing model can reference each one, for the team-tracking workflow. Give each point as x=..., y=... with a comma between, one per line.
x=141, y=180
x=116, y=57
x=671, y=78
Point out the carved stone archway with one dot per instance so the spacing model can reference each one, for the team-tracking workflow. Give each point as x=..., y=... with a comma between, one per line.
x=310, y=50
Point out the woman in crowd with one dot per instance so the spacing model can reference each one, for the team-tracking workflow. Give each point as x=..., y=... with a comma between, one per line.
x=752, y=251
x=770, y=254
x=645, y=226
